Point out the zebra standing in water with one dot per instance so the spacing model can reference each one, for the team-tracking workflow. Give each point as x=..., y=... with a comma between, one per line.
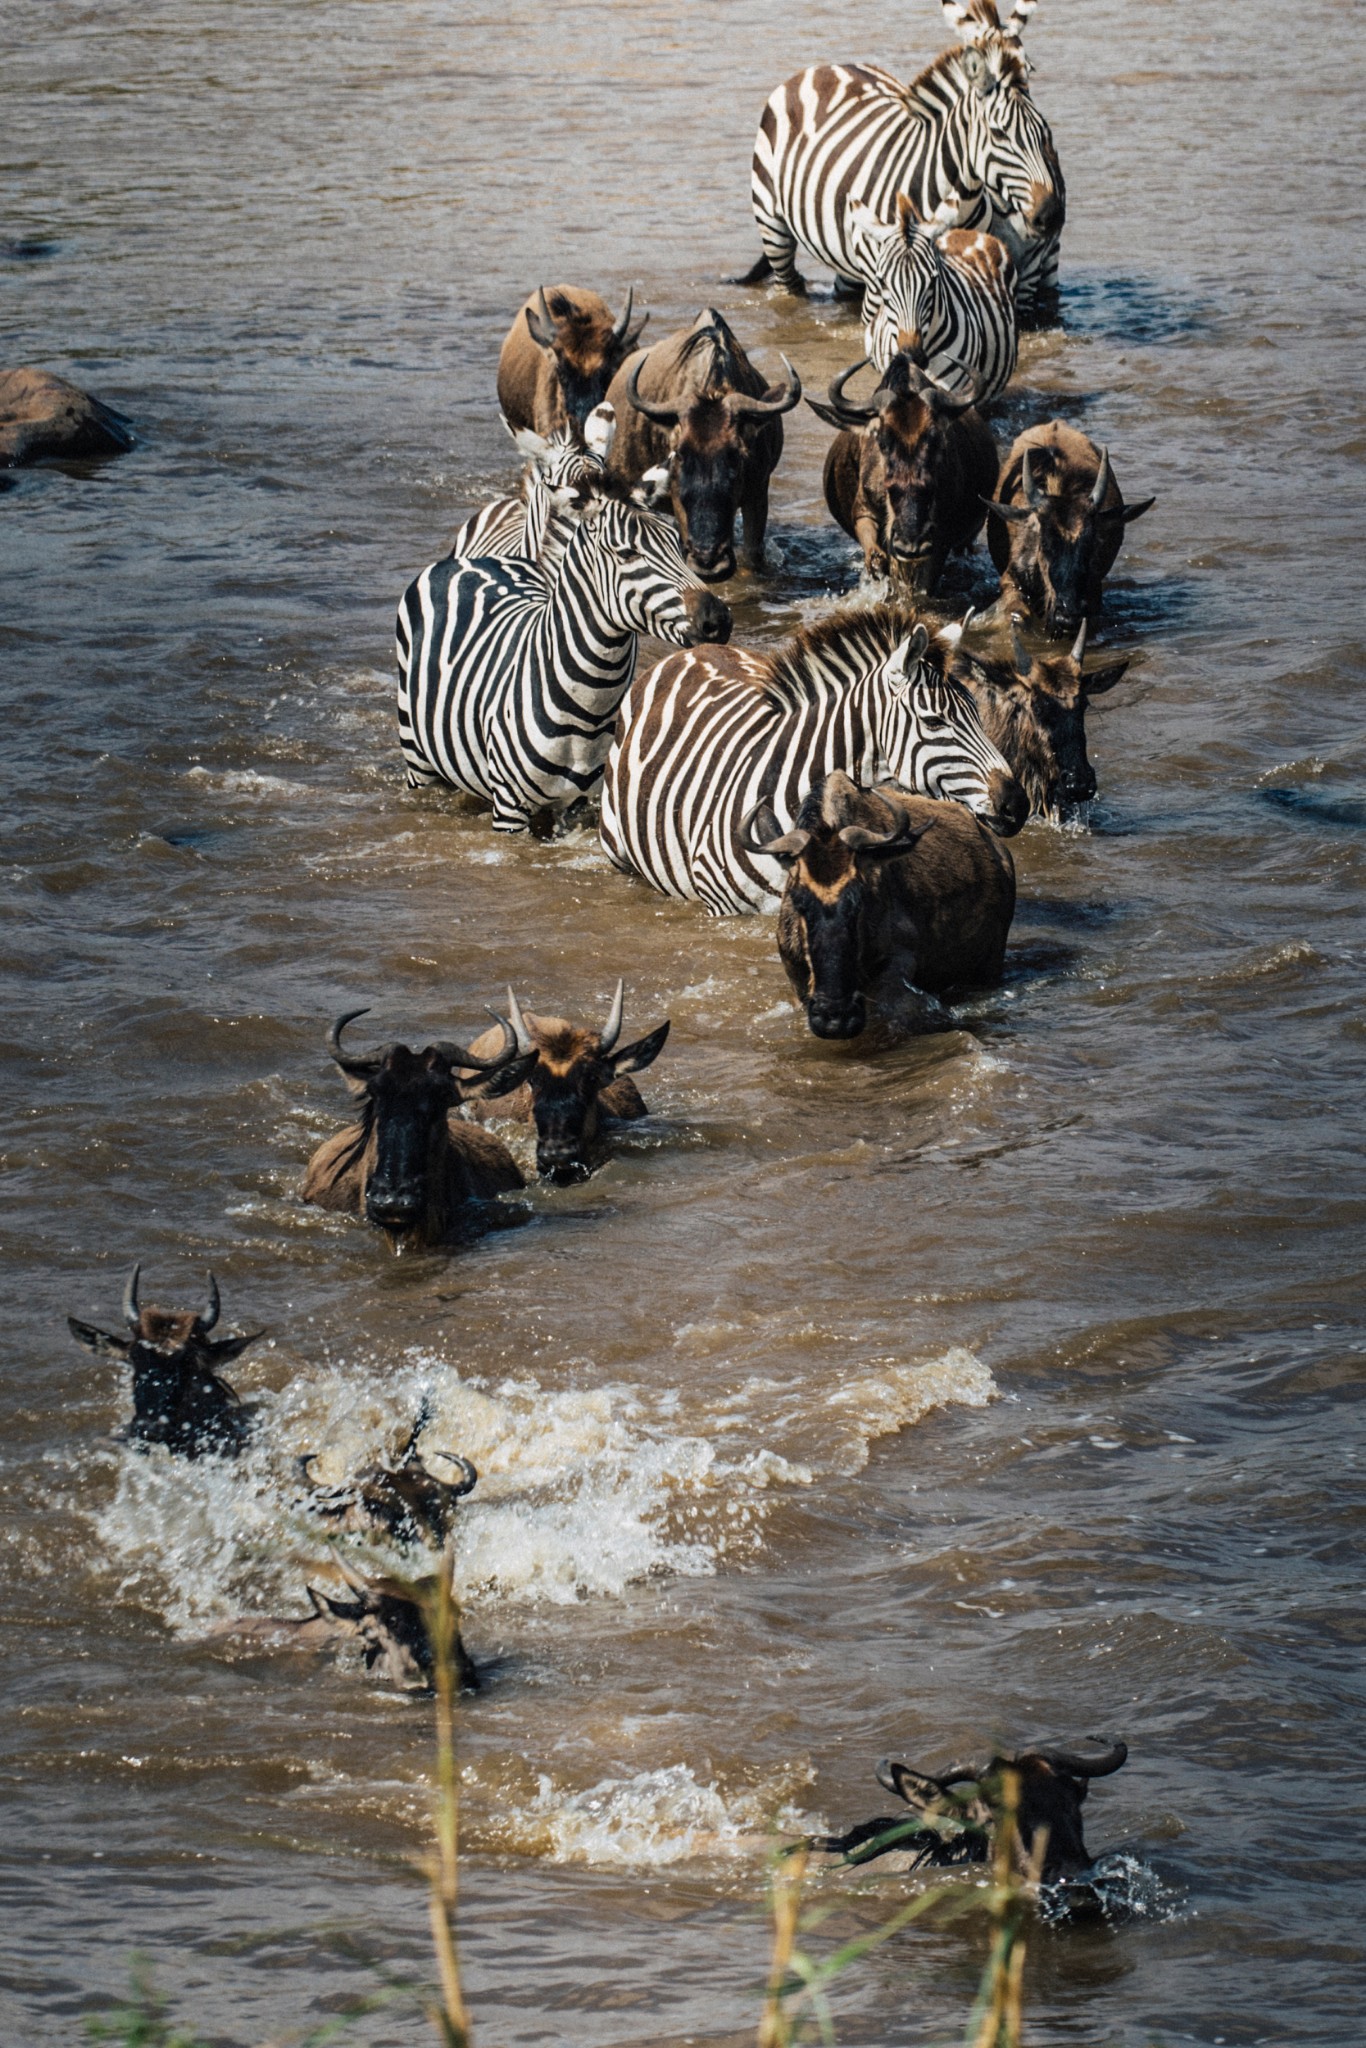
x=509, y=680
x=705, y=737
x=967, y=126
x=948, y=299
x=556, y=486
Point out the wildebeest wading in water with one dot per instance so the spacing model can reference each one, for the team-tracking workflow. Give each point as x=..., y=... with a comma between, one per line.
x=179, y=1398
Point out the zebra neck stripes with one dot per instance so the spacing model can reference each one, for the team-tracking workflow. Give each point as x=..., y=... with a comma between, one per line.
x=939, y=295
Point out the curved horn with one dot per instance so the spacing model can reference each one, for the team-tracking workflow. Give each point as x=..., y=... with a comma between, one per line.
x=1086, y=1766
x=208, y=1315
x=619, y=331
x=1078, y=653
x=523, y=1036
x=611, y=1030
x=1033, y=490
x=470, y=1477
x=131, y=1313
x=860, y=840
x=741, y=406
x=662, y=415
x=1103, y=481
x=461, y=1056
x=850, y=411
x=359, y=1069
x=786, y=847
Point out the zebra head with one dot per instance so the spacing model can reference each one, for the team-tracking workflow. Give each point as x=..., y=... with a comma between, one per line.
x=930, y=739
x=643, y=581
x=1006, y=143
x=902, y=275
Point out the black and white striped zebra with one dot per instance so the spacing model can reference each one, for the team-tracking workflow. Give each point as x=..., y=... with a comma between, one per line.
x=705, y=737
x=965, y=128
x=509, y=680
x=948, y=299
x=561, y=469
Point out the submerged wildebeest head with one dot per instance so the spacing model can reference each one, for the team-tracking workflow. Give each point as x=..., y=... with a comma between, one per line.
x=383, y=1617
x=1057, y=520
x=580, y=1082
x=178, y=1397
x=407, y=1498
x=1036, y=714
x=562, y=352
x=955, y=1814
x=411, y=1164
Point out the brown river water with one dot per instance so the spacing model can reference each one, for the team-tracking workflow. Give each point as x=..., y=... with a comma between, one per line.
x=967, y=1387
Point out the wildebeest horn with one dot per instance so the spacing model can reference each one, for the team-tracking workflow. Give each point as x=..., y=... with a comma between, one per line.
x=786, y=847
x=470, y=1480
x=461, y=1056
x=1086, y=1766
x=848, y=408
x=662, y=415
x=360, y=1070
x=1034, y=491
x=539, y=323
x=1103, y=481
x=741, y=406
x=1078, y=653
x=619, y=331
x=131, y=1313
x=208, y=1315
x=611, y=1030
x=860, y=840
x=523, y=1036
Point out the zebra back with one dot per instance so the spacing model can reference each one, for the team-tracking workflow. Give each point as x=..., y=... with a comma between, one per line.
x=947, y=297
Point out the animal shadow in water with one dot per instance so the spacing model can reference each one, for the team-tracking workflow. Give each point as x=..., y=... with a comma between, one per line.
x=1317, y=806
x=1139, y=311
x=28, y=249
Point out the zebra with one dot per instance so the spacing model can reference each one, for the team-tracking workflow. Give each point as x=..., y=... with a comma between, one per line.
x=509, y=680
x=556, y=485
x=966, y=126
x=946, y=298
x=707, y=737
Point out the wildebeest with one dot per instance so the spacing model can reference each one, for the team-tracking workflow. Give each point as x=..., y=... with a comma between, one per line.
x=955, y=1814
x=406, y=1498
x=561, y=353
x=44, y=418
x=882, y=884
x=906, y=474
x=581, y=1081
x=696, y=404
x=1057, y=519
x=385, y=1619
x=1035, y=711
x=411, y=1165
x=179, y=1398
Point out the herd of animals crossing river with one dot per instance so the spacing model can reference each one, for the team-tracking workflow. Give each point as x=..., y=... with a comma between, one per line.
x=862, y=780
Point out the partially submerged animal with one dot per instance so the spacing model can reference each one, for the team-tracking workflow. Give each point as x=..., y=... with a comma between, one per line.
x=556, y=489
x=384, y=1619
x=44, y=418
x=411, y=1165
x=954, y=1816
x=406, y=1498
x=942, y=295
x=883, y=884
x=580, y=1085
x=179, y=1398
x=1035, y=712
x=561, y=353
x=1056, y=523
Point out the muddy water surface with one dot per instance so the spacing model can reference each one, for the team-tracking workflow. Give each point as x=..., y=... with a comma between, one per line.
x=932, y=1392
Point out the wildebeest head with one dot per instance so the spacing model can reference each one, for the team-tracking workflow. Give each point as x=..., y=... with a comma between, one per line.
x=1036, y=714
x=719, y=435
x=574, y=1068
x=961, y=1808
x=1064, y=520
x=405, y=1098
x=909, y=466
x=841, y=835
x=406, y=1497
x=178, y=1397
x=385, y=1617
x=585, y=347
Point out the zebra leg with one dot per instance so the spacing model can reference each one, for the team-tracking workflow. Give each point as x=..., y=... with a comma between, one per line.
x=574, y=815
x=758, y=273
x=780, y=247
x=510, y=812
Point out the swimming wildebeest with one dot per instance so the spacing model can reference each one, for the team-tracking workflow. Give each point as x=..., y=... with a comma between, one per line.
x=954, y=1816
x=43, y=418
x=695, y=404
x=1035, y=712
x=406, y=1498
x=907, y=473
x=179, y=1398
x=384, y=1618
x=884, y=884
x=411, y=1165
x=1057, y=519
x=561, y=353
x=581, y=1082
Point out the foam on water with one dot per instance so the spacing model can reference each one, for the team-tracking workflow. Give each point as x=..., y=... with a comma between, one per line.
x=653, y=1819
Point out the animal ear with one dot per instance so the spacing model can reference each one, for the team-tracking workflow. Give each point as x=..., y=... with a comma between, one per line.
x=873, y=846
x=633, y=1058
x=906, y=656
x=958, y=17
x=600, y=430
x=501, y=1081
x=861, y=220
x=912, y=1786
x=908, y=217
x=825, y=412
x=99, y=1341
x=224, y=1349
x=1019, y=513
x=540, y=326
x=534, y=446
x=1102, y=679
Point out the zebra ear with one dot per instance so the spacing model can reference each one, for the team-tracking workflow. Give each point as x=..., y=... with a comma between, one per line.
x=600, y=430
x=534, y=446
x=907, y=656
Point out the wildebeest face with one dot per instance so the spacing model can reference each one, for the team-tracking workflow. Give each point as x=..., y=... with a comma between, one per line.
x=413, y=1503
x=1062, y=541
x=574, y=1068
x=1039, y=720
x=585, y=349
x=961, y=1808
x=179, y=1400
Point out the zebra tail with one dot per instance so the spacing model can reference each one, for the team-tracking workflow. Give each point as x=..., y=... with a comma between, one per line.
x=759, y=274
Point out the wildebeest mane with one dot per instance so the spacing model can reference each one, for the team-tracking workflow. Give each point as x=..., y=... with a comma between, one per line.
x=728, y=369
x=859, y=635
x=356, y=1152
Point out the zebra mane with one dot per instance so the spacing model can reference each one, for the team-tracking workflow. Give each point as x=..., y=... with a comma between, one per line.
x=842, y=645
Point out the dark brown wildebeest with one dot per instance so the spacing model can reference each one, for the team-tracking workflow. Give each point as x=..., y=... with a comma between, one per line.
x=406, y=1498
x=1057, y=520
x=561, y=353
x=696, y=404
x=43, y=418
x=579, y=1082
x=412, y=1166
x=179, y=1398
x=907, y=473
x=880, y=883
x=385, y=1619
x=1035, y=712
x=955, y=1814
